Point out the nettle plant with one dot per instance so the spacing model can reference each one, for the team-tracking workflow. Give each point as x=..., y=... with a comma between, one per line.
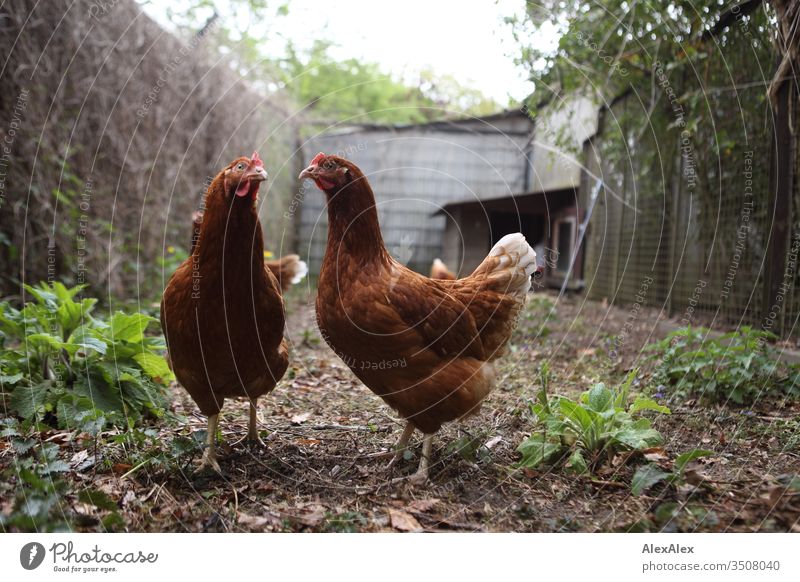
x=61, y=365
x=585, y=434
x=739, y=366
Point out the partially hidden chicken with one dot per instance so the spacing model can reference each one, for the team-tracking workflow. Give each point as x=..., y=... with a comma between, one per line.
x=440, y=271
x=222, y=311
x=427, y=347
x=288, y=270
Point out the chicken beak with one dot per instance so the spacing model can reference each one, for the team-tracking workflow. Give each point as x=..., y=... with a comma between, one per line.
x=309, y=172
x=258, y=174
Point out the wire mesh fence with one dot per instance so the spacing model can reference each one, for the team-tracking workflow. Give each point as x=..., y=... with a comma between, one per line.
x=686, y=221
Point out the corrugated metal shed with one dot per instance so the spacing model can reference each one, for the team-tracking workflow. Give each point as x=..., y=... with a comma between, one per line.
x=414, y=171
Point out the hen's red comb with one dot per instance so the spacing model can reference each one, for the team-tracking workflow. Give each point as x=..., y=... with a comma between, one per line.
x=317, y=159
x=256, y=161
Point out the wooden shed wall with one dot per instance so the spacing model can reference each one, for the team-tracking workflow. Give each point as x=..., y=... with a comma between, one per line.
x=414, y=172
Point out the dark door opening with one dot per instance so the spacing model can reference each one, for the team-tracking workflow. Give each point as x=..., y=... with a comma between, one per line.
x=503, y=223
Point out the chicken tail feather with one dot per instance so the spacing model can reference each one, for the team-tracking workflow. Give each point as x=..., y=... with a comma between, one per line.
x=509, y=265
x=294, y=268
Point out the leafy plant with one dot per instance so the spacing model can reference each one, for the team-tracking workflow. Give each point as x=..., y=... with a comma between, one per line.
x=144, y=448
x=672, y=516
x=648, y=475
x=62, y=365
x=737, y=366
x=469, y=447
x=39, y=489
x=584, y=433
x=345, y=522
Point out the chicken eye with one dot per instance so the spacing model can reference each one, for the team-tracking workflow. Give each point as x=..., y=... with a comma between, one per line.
x=328, y=165
x=240, y=166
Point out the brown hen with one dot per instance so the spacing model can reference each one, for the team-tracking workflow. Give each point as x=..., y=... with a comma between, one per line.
x=288, y=270
x=425, y=346
x=222, y=311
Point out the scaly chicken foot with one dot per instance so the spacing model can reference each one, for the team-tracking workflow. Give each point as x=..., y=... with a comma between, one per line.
x=402, y=445
x=252, y=428
x=210, y=454
x=421, y=476
x=252, y=439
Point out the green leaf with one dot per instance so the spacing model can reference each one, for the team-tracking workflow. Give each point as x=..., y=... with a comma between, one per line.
x=23, y=446
x=27, y=401
x=577, y=463
x=643, y=403
x=46, y=340
x=637, y=438
x=600, y=398
x=129, y=328
x=577, y=414
x=102, y=395
x=645, y=477
x=537, y=450
x=82, y=338
x=97, y=498
x=54, y=466
x=154, y=366
x=43, y=295
x=688, y=457
x=70, y=314
x=622, y=394
x=13, y=379
x=62, y=293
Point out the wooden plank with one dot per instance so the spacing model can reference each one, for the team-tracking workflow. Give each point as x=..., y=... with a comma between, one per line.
x=781, y=178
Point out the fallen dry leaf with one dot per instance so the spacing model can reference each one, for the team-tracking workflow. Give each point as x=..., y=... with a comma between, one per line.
x=422, y=505
x=493, y=441
x=403, y=521
x=310, y=517
x=251, y=521
x=121, y=468
x=300, y=418
x=80, y=461
x=308, y=442
x=128, y=498
x=655, y=454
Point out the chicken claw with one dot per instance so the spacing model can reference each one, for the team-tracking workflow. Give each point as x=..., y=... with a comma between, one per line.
x=253, y=439
x=210, y=455
x=421, y=476
x=402, y=445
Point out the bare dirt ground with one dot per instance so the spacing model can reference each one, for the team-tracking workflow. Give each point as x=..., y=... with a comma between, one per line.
x=322, y=429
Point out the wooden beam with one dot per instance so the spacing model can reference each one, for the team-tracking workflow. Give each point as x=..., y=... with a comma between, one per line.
x=781, y=182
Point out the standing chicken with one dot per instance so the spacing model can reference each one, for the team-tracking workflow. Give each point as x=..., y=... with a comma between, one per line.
x=425, y=346
x=288, y=270
x=222, y=311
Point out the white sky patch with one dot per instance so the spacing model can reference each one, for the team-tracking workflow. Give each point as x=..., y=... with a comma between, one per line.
x=467, y=40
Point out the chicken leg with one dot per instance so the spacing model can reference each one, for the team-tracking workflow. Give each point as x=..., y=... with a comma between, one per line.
x=402, y=444
x=252, y=428
x=210, y=454
x=421, y=476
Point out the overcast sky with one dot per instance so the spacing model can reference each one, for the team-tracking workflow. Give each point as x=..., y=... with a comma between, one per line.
x=465, y=39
